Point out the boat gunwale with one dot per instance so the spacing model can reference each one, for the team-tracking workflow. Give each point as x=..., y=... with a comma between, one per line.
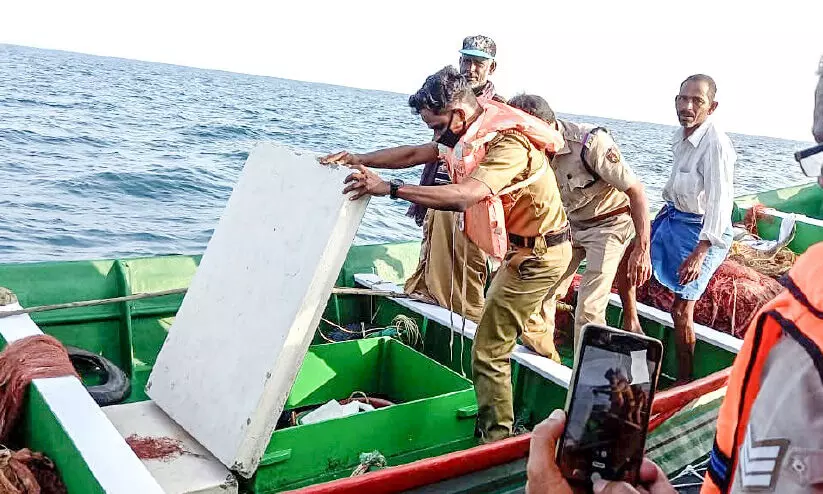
x=108, y=457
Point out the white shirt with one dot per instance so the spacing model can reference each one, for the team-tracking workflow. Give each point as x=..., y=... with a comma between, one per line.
x=702, y=179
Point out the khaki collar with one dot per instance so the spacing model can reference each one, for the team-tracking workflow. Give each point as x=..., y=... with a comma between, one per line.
x=558, y=125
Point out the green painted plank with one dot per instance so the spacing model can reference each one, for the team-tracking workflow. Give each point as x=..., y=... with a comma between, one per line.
x=383, y=367
x=44, y=433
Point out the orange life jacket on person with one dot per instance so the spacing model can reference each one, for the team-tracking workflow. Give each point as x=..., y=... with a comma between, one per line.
x=796, y=313
x=485, y=222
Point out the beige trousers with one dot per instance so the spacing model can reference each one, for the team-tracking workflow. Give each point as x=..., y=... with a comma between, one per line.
x=602, y=246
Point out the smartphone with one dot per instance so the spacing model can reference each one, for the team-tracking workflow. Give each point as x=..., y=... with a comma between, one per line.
x=811, y=160
x=607, y=408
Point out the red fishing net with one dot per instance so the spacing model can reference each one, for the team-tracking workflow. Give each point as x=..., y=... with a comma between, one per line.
x=33, y=357
x=752, y=215
x=27, y=472
x=731, y=300
x=155, y=448
x=28, y=358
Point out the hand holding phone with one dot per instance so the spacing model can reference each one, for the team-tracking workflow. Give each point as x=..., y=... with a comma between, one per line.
x=544, y=476
x=608, y=404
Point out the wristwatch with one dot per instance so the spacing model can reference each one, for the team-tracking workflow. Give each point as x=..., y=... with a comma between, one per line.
x=395, y=184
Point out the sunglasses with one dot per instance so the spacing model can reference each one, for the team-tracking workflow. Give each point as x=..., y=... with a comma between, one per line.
x=811, y=160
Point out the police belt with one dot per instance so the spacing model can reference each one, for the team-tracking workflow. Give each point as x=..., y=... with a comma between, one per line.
x=552, y=239
x=601, y=217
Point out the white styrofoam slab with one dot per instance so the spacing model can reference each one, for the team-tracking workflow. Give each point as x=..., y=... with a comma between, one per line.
x=547, y=368
x=195, y=471
x=234, y=350
x=109, y=458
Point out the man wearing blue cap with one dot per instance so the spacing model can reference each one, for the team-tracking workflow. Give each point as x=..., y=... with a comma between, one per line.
x=445, y=251
x=477, y=63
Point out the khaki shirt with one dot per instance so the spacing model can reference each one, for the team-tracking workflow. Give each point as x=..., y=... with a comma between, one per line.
x=532, y=210
x=783, y=447
x=581, y=202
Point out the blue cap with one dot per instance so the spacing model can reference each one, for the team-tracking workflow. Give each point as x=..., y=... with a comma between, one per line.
x=479, y=46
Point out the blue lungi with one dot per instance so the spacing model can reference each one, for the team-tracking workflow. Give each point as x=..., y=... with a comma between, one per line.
x=674, y=236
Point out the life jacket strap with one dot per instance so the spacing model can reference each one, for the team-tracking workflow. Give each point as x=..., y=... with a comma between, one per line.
x=586, y=165
x=719, y=466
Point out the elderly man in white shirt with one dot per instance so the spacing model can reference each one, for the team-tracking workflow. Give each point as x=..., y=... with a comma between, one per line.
x=692, y=234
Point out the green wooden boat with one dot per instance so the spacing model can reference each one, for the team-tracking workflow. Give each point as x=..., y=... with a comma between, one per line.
x=427, y=377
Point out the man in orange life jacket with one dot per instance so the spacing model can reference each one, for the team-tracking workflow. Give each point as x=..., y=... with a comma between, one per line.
x=606, y=205
x=444, y=252
x=495, y=153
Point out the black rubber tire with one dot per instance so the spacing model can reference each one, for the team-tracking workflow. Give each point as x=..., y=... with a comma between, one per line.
x=116, y=387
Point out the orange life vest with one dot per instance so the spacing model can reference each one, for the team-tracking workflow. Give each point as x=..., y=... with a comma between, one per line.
x=485, y=222
x=796, y=313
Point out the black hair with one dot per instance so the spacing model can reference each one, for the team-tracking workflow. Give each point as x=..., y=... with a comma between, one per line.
x=444, y=87
x=703, y=78
x=534, y=105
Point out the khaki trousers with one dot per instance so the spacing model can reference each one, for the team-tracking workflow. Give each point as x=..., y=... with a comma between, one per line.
x=602, y=245
x=518, y=288
x=440, y=281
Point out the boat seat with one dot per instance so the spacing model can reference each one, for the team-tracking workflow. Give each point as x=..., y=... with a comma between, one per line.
x=712, y=336
x=547, y=368
x=194, y=471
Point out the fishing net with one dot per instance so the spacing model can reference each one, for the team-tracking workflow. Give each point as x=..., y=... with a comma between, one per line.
x=33, y=357
x=22, y=361
x=155, y=448
x=773, y=263
x=27, y=472
x=764, y=263
x=753, y=214
x=731, y=300
x=368, y=461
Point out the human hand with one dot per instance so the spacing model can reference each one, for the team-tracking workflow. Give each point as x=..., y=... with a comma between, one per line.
x=640, y=265
x=652, y=481
x=364, y=181
x=341, y=158
x=544, y=475
x=692, y=265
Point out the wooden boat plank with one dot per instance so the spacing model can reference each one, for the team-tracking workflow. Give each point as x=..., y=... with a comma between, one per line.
x=547, y=368
x=195, y=471
x=109, y=459
x=705, y=333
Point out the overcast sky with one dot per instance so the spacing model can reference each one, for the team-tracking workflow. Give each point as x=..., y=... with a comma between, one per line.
x=616, y=59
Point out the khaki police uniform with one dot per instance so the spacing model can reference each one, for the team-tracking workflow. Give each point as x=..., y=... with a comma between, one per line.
x=536, y=221
x=444, y=254
x=598, y=209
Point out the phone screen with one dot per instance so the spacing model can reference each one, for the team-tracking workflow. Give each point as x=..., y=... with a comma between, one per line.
x=609, y=409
